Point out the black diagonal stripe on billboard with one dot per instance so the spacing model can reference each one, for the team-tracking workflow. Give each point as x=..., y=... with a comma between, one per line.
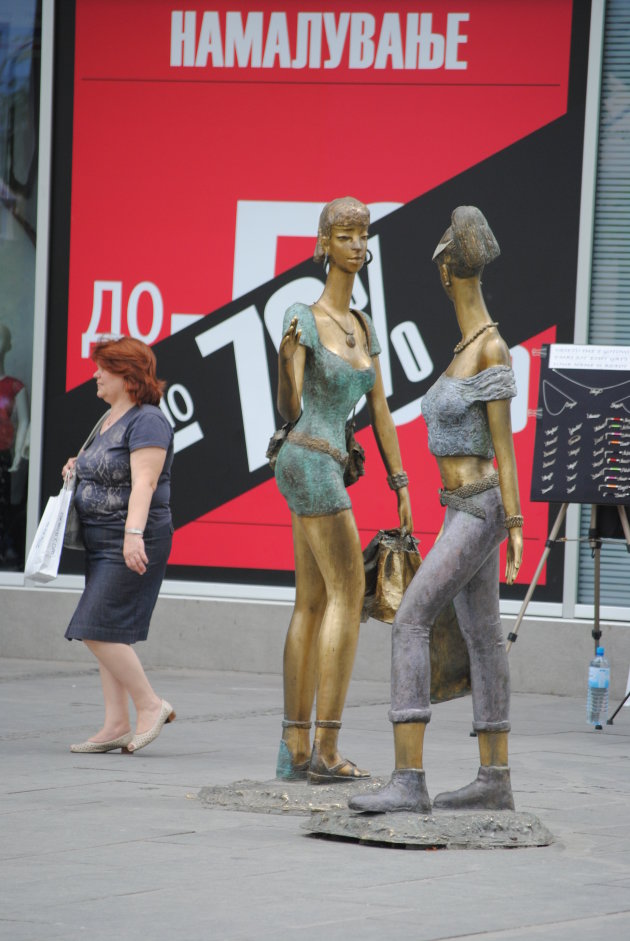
x=529, y=288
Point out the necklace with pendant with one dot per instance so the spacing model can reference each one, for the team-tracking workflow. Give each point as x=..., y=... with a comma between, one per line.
x=464, y=343
x=350, y=340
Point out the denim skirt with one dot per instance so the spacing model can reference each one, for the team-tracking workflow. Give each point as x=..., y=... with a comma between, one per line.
x=117, y=603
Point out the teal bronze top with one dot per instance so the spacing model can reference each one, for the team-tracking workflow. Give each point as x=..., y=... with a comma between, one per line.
x=311, y=480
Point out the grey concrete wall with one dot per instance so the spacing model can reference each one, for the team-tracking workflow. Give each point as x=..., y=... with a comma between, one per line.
x=551, y=655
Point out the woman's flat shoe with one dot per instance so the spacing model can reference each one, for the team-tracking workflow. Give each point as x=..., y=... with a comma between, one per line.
x=167, y=714
x=96, y=748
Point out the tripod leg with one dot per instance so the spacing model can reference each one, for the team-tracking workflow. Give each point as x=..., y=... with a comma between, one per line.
x=622, y=703
x=626, y=531
x=555, y=529
x=623, y=516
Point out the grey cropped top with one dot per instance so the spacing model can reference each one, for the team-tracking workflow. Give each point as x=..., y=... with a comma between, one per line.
x=456, y=415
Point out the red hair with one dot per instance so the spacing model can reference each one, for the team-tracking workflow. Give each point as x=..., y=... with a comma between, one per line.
x=135, y=362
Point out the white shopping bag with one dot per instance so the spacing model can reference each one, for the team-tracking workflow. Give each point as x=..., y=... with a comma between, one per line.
x=42, y=563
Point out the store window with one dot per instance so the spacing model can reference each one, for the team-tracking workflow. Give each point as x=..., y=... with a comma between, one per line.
x=19, y=116
x=610, y=288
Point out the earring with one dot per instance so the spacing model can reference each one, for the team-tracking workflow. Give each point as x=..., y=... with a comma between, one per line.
x=326, y=261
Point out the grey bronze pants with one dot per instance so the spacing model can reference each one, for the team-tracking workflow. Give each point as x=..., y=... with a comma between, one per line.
x=463, y=567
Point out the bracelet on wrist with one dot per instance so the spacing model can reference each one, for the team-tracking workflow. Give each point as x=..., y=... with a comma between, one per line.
x=134, y=532
x=397, y=481
x=512, y=521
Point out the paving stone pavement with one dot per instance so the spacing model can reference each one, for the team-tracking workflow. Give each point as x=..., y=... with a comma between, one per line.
x=105, y=847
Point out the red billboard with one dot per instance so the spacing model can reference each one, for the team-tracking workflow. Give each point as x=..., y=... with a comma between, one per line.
x=205, y=139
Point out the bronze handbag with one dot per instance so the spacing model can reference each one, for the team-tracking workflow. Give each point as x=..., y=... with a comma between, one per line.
x=275, y=443
x=355, y=466
x=450, y=666
x=391, y=560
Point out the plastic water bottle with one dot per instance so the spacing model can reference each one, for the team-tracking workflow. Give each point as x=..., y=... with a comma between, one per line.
x=598, y=683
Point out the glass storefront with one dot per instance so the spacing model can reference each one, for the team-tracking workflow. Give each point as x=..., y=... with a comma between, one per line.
x=609, y=320
x=20, y=44
x=209, y=551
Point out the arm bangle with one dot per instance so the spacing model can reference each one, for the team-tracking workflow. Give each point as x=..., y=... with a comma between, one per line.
x=135, y=532
x=398, y=481
x=512, y=521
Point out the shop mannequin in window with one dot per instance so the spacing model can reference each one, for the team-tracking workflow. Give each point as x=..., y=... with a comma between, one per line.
x=14, y=427
x=468, y=418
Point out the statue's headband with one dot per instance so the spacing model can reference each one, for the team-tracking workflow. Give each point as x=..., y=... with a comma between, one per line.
x=444, y=243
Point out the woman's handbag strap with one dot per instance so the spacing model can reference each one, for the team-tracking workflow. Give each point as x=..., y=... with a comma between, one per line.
x=92, y=435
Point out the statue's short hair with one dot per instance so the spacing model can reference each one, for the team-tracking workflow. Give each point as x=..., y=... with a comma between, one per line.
x=468, y=244
x=346, y=210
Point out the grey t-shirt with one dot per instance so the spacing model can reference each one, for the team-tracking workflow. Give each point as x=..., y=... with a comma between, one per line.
x=104, y=469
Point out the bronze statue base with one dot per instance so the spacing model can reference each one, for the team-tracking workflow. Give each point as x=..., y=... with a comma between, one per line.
x=326, y=807
x=480, y=829
x=281, y=797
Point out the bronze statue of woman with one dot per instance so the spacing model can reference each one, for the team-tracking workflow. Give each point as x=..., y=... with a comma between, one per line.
x=467, y=412
x=328, y=359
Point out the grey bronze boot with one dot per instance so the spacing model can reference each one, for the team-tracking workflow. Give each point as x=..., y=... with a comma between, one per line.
x=407, y=790
x=491, y=790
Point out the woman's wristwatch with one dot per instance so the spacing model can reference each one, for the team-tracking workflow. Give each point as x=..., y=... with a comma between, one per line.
x=134, y=532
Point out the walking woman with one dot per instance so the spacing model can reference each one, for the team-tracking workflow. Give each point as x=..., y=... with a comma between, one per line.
x=328, y=358
x=467, y=412
x=122, y=497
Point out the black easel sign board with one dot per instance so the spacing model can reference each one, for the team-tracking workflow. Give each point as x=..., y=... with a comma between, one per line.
x=582, y=447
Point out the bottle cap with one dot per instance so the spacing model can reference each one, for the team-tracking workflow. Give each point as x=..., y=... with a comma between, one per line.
x=600, y=651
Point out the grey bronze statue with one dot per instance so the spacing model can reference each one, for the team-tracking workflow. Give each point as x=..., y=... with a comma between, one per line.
x=468, y=418
x=328, y=359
